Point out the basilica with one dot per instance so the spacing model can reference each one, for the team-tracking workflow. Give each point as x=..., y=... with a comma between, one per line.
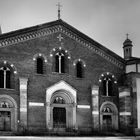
x=55, y=79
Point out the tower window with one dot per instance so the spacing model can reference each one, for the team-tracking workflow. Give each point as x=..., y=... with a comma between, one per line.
x=40, y=65
x=79, y=69
x=5, y=77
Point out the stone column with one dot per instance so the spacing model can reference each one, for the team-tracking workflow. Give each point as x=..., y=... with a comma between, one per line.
x=95, y=107
x=125, y=109
x=74, y=117
x=48, y=116
x=23, y=102
x=137, y=106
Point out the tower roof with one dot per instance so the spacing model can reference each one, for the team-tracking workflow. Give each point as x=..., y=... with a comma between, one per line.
x=127, y=42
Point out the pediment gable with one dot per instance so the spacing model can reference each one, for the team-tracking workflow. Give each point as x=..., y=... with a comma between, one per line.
x=62, y=27
x=61, y=85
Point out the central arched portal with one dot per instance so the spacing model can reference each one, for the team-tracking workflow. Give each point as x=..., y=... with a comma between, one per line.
x=61, y=107
x=61, y=111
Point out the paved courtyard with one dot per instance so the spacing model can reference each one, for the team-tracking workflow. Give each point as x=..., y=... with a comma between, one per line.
x=68, y=138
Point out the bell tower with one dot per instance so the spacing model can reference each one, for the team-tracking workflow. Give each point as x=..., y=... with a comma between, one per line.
x=127, y=48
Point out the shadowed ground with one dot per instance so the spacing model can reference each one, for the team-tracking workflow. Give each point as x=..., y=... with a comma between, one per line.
x=68, y=138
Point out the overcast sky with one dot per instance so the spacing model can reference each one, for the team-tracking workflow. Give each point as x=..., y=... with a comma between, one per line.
x=106, y=21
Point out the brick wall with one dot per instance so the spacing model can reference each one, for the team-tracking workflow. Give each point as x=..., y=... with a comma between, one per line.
x=21, y=55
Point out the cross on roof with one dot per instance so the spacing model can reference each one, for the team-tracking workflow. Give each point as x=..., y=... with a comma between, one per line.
x=60, y=37
x=59, y=8
x=127, y=36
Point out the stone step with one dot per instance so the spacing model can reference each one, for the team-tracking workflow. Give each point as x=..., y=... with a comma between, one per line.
x=6, y=133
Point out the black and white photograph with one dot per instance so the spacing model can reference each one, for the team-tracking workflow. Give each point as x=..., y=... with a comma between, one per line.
x=69, y=69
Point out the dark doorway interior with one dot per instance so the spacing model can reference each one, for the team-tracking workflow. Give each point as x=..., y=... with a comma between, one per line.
x=107, y=122
x=59, y=117
x=5, y=120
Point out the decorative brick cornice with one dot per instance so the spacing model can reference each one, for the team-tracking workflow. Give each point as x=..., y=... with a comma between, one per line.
x=27, y=36
x=7, y=41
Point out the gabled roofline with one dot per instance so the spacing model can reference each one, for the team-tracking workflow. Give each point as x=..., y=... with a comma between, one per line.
x=87, y=38
x=29, y=29
x=66, y=25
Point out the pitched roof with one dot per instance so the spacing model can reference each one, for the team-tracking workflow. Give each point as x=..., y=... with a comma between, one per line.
x=50, y=27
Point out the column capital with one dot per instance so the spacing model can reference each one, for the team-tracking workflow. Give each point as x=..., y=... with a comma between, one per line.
x=95, y=87
x=23, y=79
x=48, y=103
x=95, y=90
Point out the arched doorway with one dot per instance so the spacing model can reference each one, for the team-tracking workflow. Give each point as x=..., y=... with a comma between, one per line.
x=61, y=98
x=108, y=117
x=8, y=113
x=61, y=111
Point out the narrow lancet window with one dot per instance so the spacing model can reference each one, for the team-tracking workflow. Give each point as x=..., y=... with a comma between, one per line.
x=79, y=69
x=108, y=85
x=39, y=65
x=5, y=77
x=60, y=62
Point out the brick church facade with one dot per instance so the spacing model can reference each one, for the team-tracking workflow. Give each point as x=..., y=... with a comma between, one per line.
x=53, y=78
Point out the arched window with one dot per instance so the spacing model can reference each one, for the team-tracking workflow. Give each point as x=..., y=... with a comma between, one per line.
x=79, y=69
x=40, y=63
x=5, y=77
x=108, y=85
x=59, y=100
x=60, y=62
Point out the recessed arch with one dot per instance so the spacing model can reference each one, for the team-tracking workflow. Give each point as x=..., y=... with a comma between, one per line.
x=10, y=65
x=58, y=49
x=12, y=109
x=79, y=60
x=4, y=97
x=110, y=105
x=40, y=55
x=108, y=74
x=61, y=86
x=108, y=118
x=64, y=94
x=69, y=94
